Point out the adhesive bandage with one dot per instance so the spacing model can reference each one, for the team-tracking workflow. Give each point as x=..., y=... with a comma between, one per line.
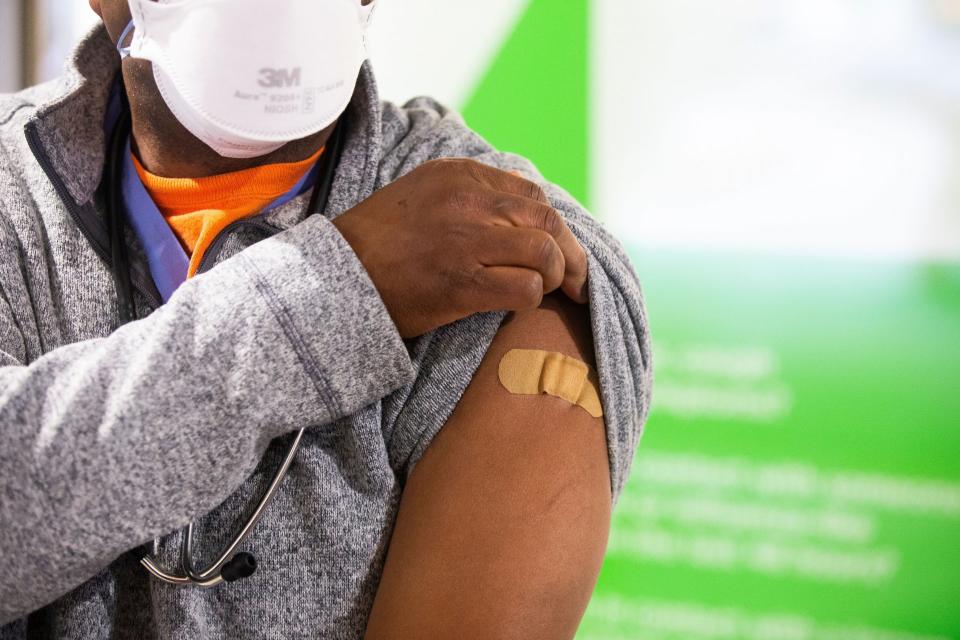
x=532, y=372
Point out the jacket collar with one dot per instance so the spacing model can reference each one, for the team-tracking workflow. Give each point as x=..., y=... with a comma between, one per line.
x=67, y=133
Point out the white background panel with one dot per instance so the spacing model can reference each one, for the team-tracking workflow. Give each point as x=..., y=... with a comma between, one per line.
x=441, y=49
x=798, y=126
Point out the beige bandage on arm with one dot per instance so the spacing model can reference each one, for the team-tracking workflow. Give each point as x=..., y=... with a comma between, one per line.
x=532, y=372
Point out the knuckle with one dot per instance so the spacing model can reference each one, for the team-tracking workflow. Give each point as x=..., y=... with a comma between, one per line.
x=503, y=204
x=445, y=170
x=530, y=290
x=455, y=199
x=471, y=168
x=536, y=192
x=544, y=248
x=548, y=219
x=458, y=195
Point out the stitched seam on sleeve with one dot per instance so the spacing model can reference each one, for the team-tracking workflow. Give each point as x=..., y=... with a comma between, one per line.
x=300, y=347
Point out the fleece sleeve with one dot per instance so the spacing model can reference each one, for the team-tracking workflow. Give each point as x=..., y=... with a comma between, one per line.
x=447, y=359
x=109, y=442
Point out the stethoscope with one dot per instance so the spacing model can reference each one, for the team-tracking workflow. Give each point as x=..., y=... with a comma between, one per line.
x=229, y=565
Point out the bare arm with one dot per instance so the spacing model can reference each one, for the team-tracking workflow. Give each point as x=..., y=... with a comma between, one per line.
x=504, y=522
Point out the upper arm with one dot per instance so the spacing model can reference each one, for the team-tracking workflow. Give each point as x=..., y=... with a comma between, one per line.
x=503, y=523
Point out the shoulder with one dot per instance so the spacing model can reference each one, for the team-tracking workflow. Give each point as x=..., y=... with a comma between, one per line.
x=17, y=109
x=20, y=175
x=22, y=182
x=423, y=129
x=13, y=171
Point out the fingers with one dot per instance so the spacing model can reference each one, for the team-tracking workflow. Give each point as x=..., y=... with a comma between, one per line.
x=508, y=182
x=506, y=289
x=522, y=247
x=522, y=212
x=523, y=203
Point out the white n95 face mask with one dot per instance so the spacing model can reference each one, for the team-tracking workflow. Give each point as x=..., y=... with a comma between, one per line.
x=248, y=76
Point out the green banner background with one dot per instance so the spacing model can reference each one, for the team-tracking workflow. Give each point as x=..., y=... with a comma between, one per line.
x=799, y=475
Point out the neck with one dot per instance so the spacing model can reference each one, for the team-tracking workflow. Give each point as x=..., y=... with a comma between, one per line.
x=165, y=147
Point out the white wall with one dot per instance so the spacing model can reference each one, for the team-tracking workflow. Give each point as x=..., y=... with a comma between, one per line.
x=798, y=126
x=10, y=62
x=426, y=47
x=62, y=23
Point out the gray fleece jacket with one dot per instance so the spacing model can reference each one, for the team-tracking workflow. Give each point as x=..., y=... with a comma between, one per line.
x=112, y=437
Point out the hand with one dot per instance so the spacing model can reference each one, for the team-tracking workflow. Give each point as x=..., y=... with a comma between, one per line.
x=456, y=237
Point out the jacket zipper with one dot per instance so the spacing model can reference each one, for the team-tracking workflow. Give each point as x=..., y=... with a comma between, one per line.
x=213, y=250
x=73, y=210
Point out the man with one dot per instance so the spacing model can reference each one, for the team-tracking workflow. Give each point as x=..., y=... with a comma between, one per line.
x=427, y=498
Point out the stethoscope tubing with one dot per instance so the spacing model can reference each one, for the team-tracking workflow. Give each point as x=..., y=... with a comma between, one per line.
x=212, y=575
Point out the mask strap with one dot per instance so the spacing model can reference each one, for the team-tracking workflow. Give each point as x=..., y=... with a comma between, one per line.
x=124, y=51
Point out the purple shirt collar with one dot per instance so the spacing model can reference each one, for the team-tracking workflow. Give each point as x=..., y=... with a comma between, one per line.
x=167, y=260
